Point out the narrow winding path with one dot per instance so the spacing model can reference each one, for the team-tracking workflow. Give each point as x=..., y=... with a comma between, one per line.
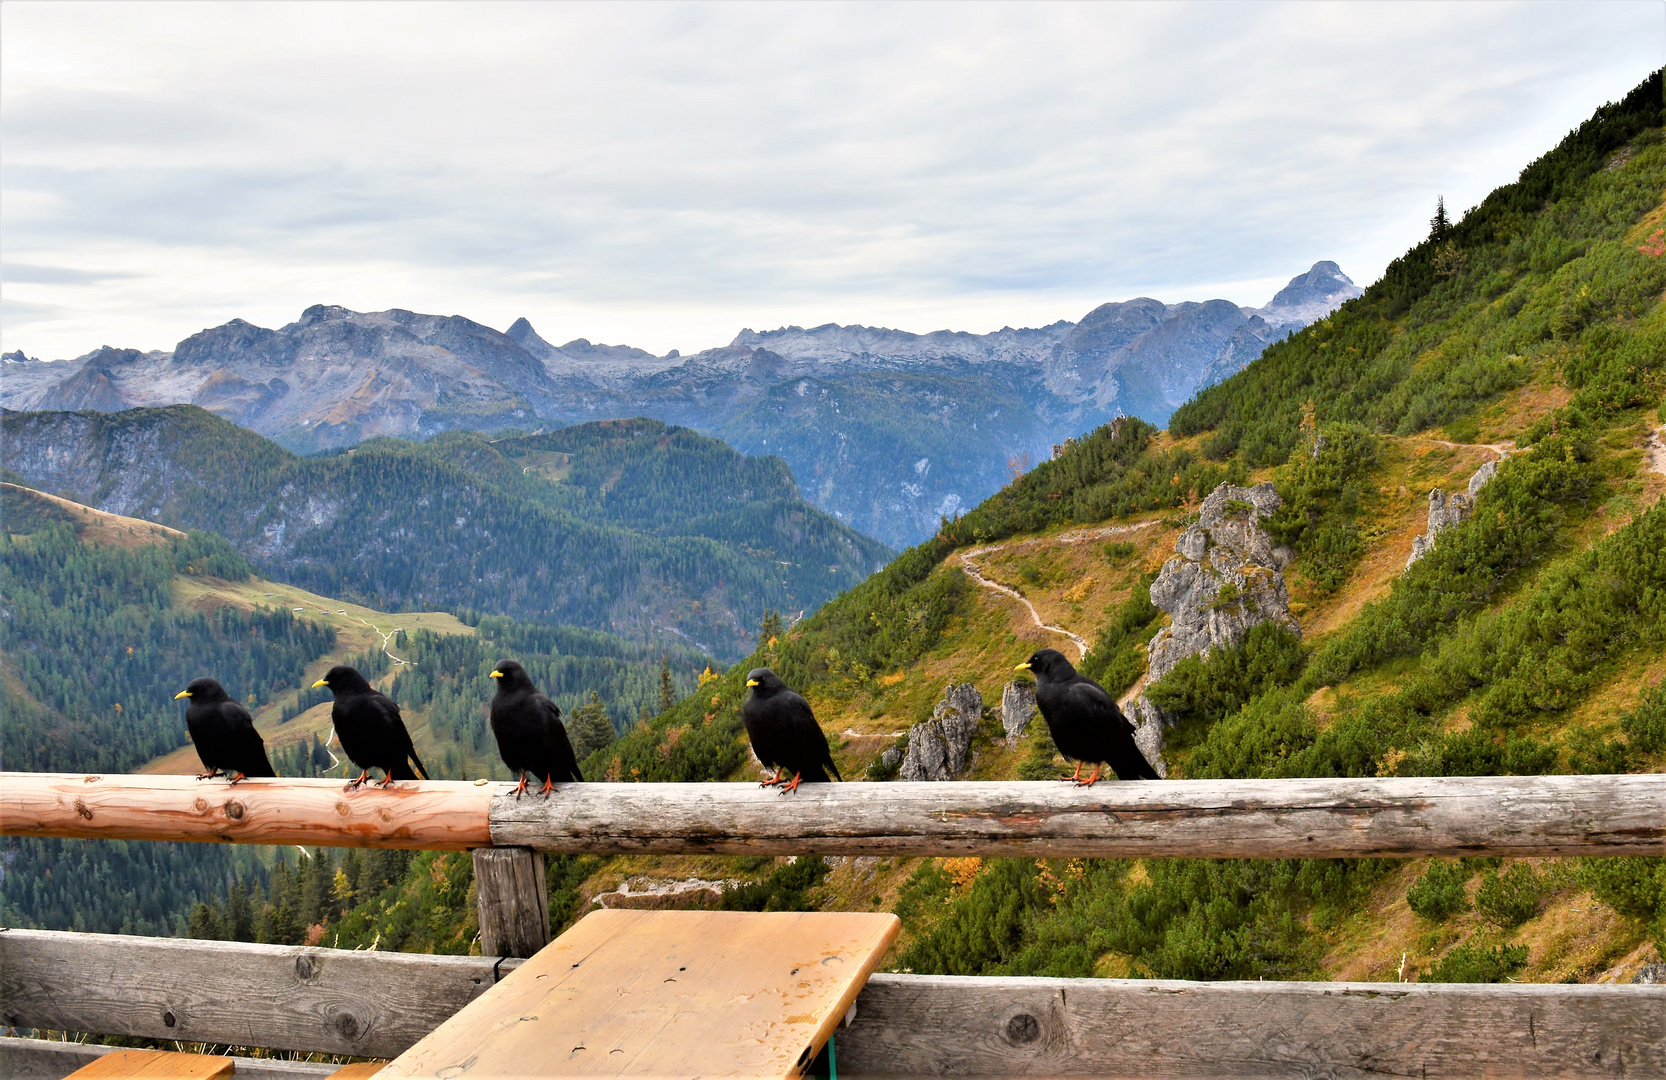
x=1076, y=537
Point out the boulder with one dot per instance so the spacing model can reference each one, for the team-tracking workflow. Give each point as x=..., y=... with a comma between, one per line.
x=937, y=748
x=1017, y=709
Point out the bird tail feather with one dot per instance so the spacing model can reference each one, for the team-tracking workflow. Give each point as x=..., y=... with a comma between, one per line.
x=264, y=768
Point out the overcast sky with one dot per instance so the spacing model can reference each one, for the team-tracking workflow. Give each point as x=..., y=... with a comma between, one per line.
x=663, y=175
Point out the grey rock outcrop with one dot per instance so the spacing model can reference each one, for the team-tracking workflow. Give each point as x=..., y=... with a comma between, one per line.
x=1446, y=511
x=1651, y=975
x=937, y=748
x=1227, y=578
x=1017, y=710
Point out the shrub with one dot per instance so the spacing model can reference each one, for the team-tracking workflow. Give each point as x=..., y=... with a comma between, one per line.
x=1439, y=893
x=1477, y=964
x=1645, y=725
x=1511, y=898
x=787, y=889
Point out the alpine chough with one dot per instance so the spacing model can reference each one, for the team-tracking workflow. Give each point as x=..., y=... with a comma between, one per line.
x=224, y=733
x=1085, y=723
x=784, y=733
x=370, y=728
x=530, y=734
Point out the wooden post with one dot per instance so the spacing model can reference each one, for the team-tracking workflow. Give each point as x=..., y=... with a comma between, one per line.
x=514, y=904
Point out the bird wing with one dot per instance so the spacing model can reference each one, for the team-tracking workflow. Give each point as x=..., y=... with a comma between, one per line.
x=244, y=749
x=399, y=739
x=1107, y=734
x=809, y=741
x=563, y=762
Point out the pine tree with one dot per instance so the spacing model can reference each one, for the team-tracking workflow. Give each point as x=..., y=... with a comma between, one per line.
x=667, y=688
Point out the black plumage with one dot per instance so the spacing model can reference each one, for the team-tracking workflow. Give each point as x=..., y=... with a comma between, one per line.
x=224, y=733
x=530, y=735
x=784, y=732
x=1085, y=723
x=370, y=728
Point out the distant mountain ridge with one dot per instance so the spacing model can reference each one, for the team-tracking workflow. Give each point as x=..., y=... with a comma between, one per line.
x=632, y=527
x=886, y=429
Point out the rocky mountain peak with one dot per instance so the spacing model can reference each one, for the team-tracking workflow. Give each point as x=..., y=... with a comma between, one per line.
x=1311, y=296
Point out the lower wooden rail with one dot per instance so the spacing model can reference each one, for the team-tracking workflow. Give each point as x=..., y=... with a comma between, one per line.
x=1384, y=816
x=377, y=1004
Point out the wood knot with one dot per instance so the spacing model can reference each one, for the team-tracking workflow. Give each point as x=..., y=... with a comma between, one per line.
x=95, y=778
x=81, y=809
x=168, y=1019
x=385, y=814
x=234, y=810
x=347, y=1026
x=201, y=804
x=342, y=808
x=1023, y=1029
x=305, y=967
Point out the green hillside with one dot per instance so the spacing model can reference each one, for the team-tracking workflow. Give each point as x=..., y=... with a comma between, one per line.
x=652, y=532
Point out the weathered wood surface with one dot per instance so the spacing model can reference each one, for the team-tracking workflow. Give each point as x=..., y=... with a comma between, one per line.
x=43, y=1059
x=906, y=1025
x=333, y=1001
x=664, y=994
x=155, y=1065
x=433, y=815
x=969, y=1027
x=1388, y=816
x=513, y=903
x=1495, y=815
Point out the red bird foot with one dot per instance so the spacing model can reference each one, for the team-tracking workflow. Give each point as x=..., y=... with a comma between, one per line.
x=549, y=786
x=792, y=785
x=239, y=776
x=1075, y=777
x=385, y=782
x=521, y=787
x=208, y=775
x=353, y=785
x=772, y=782
x=1089, y=781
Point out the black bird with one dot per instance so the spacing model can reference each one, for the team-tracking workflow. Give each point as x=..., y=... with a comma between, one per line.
x=224, y=733
x=1084, y=720
x=784, y=732
x=370, y=728
x=530, y=734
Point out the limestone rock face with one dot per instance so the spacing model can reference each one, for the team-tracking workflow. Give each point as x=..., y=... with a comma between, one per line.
x=1017, y=710
x=1228, y=577
x=937, y=748
x=1446, y=510
x=1149, y=722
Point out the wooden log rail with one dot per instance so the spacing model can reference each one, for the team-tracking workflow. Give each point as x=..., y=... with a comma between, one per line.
x=377, y=1004
x=1389, y=817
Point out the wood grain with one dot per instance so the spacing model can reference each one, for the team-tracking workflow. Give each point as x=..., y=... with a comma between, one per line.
x=665, y=993
x=359, y=1070
x=432, y=815
x=513, y=903
x=971, y=1027
x=333, y=1001
x=40, y=1059
x=1494, y=815
x=155, y=1065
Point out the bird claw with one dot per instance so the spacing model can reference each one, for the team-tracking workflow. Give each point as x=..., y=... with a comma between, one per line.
x=208, y=775
x=354, y=785
x=549, y=786
x=384, y=783
x=791, y=785
x=239, y=776
x=520, y=788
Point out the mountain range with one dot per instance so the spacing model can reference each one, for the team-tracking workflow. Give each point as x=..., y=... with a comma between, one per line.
x=634, y=527
x=890, y=431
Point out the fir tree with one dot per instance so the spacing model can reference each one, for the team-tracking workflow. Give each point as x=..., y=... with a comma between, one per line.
x=667, y=687
x=590, y=728
x=1440, y=224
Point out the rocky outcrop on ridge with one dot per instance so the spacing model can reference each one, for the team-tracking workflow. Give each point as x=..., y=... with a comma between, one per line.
x=1017, y=710
x=1446, y=511
x=1226, y=578
x=937, y=748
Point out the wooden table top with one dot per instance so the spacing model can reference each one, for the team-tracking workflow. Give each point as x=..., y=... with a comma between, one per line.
x=154, y=1065
x=664, y=993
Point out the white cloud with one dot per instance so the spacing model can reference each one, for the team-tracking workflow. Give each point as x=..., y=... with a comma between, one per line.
x=664, y=174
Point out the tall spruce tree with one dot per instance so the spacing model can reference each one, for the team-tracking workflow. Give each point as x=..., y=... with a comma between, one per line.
x=667, y=687
x=590, y=728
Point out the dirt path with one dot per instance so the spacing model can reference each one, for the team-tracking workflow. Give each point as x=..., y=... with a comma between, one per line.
x=1074, y=537
x=1502, y=449
x=1657, y=450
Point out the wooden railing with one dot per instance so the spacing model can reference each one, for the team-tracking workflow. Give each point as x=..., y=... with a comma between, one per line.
x=376, y=1004
x=1389, y=817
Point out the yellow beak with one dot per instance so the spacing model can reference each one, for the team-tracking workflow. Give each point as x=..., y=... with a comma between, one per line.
x=182, y=693
x=319, y=683
x=497, y=674
x=751, y=682
x=1025, y=666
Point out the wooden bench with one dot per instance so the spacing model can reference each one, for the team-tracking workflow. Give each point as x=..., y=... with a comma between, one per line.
x=155, y=1065
x=665, y=993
